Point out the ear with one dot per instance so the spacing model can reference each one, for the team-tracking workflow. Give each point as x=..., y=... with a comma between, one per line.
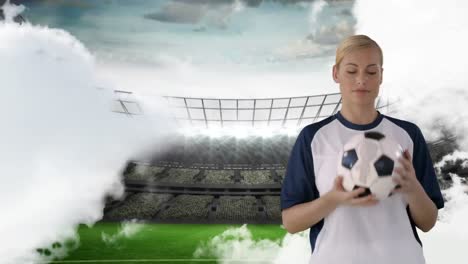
x=335, y=73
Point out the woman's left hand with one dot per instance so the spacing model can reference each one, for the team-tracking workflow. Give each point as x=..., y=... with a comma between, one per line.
x=406, y=180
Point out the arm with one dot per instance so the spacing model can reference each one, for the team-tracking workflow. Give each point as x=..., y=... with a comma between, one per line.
x=302, y=216
x=422, y=209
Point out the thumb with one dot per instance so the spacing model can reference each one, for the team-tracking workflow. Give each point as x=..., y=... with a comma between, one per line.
x=338, y=184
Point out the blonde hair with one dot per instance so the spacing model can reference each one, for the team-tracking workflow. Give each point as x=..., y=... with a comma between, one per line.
x=356, y=42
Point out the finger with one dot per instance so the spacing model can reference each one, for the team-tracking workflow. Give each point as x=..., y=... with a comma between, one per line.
x=402, y=174
x=402, y=185
x=407, y=154
x=370, y=199
x=407, y=177
x=405, y=163
x=338, y=183
x=400, y=181
x=339, y=179
x=398, y=190
x=359, y=201
x=369, y=203
x=397, y=179
x=402, y=189
x=355, y=193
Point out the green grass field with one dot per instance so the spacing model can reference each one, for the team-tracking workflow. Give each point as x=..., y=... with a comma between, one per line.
x=155, y=243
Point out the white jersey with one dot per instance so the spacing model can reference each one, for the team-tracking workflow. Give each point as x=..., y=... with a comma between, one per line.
x=384, y=233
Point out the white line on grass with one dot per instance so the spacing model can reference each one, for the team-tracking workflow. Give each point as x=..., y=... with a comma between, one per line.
x=158, y=260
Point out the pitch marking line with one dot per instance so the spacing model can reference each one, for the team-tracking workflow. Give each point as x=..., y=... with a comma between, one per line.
x=159, y=260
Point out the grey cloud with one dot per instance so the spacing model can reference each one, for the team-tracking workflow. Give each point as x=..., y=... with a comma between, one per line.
x=194, y=11
x=178, y=12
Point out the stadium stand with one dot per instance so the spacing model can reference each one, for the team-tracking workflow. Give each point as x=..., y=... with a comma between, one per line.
x=281, y=174
x=272, y=206
x=141, y=206
x=234, y=208
x=187, y=207
x=256, y=177
x=180, y=175
x=227, y=150
x=144, y=172
x=218, y=177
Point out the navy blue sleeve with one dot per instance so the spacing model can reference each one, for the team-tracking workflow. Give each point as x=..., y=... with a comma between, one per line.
x=424, y=168
x=299, y=182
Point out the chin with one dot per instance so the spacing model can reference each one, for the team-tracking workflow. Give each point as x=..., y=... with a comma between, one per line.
x=364, y=102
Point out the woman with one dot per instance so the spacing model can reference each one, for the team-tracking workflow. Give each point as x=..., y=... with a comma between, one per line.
x=344, y=227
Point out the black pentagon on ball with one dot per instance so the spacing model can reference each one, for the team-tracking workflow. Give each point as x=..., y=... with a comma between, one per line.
x=349, y=159
x=374, y=135
x=384, y=166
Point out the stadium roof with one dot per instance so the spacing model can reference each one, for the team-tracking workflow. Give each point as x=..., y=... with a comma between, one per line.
x=285, y=112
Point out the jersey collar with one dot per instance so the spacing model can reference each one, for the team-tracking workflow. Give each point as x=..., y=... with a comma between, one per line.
x=350, y=125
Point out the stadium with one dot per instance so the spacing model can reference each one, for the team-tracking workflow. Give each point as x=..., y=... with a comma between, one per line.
x=222, y=178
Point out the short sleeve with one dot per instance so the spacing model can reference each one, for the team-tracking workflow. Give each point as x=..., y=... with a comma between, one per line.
x=299, y=182
x=424, y=168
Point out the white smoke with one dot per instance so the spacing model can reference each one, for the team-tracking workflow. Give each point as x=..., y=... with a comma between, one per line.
x=452, y=158
x=11, y=11
x=62, y=148
x=447, y=241
x=184, y=78
x=237, y=245
x=127, y=230
x=424, y=43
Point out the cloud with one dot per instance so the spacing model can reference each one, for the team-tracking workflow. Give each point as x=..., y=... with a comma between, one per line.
x=422, y=50
x=179, y=12
x=62, y=148
x=214, y=13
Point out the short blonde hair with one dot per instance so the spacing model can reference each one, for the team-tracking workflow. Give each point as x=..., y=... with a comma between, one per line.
x=356, y=42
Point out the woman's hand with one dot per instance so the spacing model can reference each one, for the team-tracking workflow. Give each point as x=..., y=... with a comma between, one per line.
x=422, y=208
x=343, y=197
x=406, y=179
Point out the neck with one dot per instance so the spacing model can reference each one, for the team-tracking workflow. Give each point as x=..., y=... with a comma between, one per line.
x=359, y=115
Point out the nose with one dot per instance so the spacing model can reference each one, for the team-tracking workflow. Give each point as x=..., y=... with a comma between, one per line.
x=361, y=79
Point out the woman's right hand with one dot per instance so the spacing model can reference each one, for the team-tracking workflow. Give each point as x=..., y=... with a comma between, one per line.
x=343, y=197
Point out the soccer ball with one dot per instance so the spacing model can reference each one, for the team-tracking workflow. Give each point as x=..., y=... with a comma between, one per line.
x=368, y=160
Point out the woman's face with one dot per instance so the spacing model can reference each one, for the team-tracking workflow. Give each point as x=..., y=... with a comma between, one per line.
x=359, y=75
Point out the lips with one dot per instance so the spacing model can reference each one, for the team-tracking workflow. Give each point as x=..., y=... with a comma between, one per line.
x=361, y=91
